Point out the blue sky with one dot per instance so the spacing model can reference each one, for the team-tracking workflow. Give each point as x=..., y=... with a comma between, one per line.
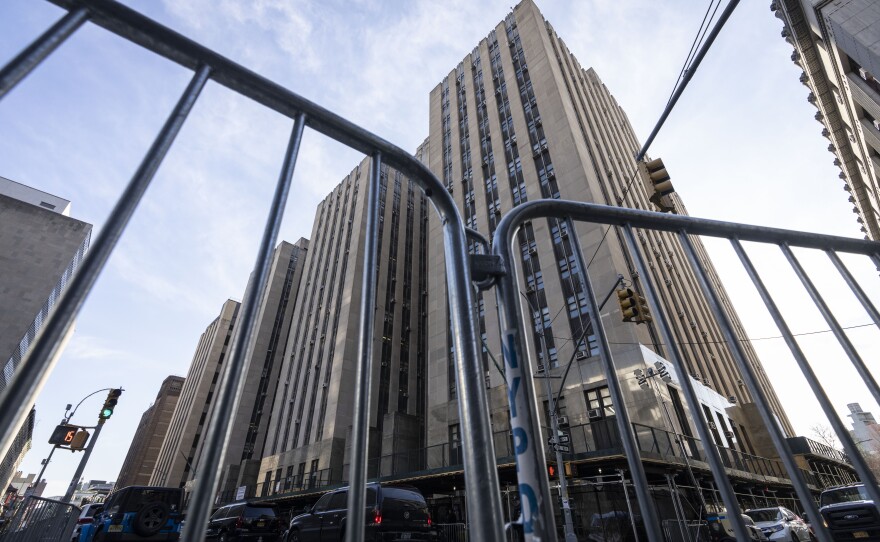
x=742, y=145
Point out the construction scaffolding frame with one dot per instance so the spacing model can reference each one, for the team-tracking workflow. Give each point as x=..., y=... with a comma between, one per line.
x=486, y=521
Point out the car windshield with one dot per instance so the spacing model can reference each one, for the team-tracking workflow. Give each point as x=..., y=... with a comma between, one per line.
x=844, y=494
x=257, y=512
x=769, y=514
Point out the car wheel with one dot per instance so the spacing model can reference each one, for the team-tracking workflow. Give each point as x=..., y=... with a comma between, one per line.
x=150, y=518
x=794, y=538
x=293, y=536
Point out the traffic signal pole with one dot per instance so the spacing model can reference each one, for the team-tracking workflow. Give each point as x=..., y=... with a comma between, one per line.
x=82, y=462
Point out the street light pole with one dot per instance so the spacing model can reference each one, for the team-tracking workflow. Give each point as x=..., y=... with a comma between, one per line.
x=554, y=428
x=82, y=462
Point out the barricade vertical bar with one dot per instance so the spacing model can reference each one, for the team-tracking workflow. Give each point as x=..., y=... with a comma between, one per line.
x=832, y=323
x=845, y=438
x=357, y=494
x=534, y=488
x=712, y=454
x=746, y=370
x=19, y=67
x=480, y=470
x=624, y=426
x=232, y=384
x=16, y=399
x=854, y=286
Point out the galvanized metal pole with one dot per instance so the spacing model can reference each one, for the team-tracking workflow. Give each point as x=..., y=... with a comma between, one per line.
x=231, y=385
x=16, y=399
x=538, y=520
x=20, y=66
x=360, y=438
x=83, y=462
x=712, y=455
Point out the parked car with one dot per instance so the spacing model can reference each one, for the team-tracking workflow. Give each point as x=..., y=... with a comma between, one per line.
x=721, y=530
x=85, y=518
x=245, y=521
x=393, y=513
x=849, y=513
x=780, y=523
x=137, y=513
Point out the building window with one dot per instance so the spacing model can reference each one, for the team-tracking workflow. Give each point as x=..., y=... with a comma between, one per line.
x=599, y=401
x=455, y=444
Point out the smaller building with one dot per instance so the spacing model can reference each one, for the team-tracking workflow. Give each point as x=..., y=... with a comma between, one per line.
x=144, y=449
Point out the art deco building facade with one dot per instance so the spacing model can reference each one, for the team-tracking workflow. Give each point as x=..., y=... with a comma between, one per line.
x=149, y=436
x=517, y=120
x=837, y=44
x=265, y=358
x=312, y=414
x=41, y=247
x=177, y=457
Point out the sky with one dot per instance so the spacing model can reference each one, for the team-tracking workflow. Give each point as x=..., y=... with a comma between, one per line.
x=741, y=145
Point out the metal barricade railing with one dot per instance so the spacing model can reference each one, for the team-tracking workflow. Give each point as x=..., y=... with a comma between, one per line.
x=207, y=65
x=524, y=419
x=37, y=519
x=451, y=532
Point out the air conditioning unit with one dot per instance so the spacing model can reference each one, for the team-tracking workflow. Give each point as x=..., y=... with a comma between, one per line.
x=595, y=413
x=729, y=434
x=863, y=73
x=513, y=138
x=877, y=124
x=562, y=421
x=564, y=234
x=581, y=354
x=540, y=367
x=733, y=399
x=712, y=425
x=533, y=251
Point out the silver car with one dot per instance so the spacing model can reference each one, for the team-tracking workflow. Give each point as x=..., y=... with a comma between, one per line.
x=780, y=523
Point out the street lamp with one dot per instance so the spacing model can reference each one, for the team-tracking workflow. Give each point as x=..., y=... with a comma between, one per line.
x=554, y=428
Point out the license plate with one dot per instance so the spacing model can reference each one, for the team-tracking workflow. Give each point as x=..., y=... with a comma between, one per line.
x=114, y=529
x=405, y=536
x=860, y=534
x=261, y=524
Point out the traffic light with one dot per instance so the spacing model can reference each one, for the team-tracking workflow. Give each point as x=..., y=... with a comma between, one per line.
x=551, y=470
x=110, y=403
x=633, y=306
x=658, y=184
x=63, y=435
x=79, y=440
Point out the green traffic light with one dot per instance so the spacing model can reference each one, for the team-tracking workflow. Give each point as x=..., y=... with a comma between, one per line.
x=106, y=413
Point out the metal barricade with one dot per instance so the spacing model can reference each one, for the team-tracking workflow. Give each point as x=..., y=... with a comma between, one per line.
x=207, y=65
x=524, y=418
x=38, y=519
x=478, y=457
x=452, y=532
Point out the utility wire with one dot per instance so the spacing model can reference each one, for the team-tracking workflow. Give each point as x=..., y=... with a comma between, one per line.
x=805, y=333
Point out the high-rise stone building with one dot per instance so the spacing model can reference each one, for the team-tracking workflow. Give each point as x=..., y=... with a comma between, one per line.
x=312, y=415
x=41, y=247
x=265, y=359
x=837, y=44
x=177, y=457
x=149, y=436
x=520, y=119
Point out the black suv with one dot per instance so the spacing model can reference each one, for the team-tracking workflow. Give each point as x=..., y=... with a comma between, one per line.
x=244, y=521
x=393, y=513
x=849, y=513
